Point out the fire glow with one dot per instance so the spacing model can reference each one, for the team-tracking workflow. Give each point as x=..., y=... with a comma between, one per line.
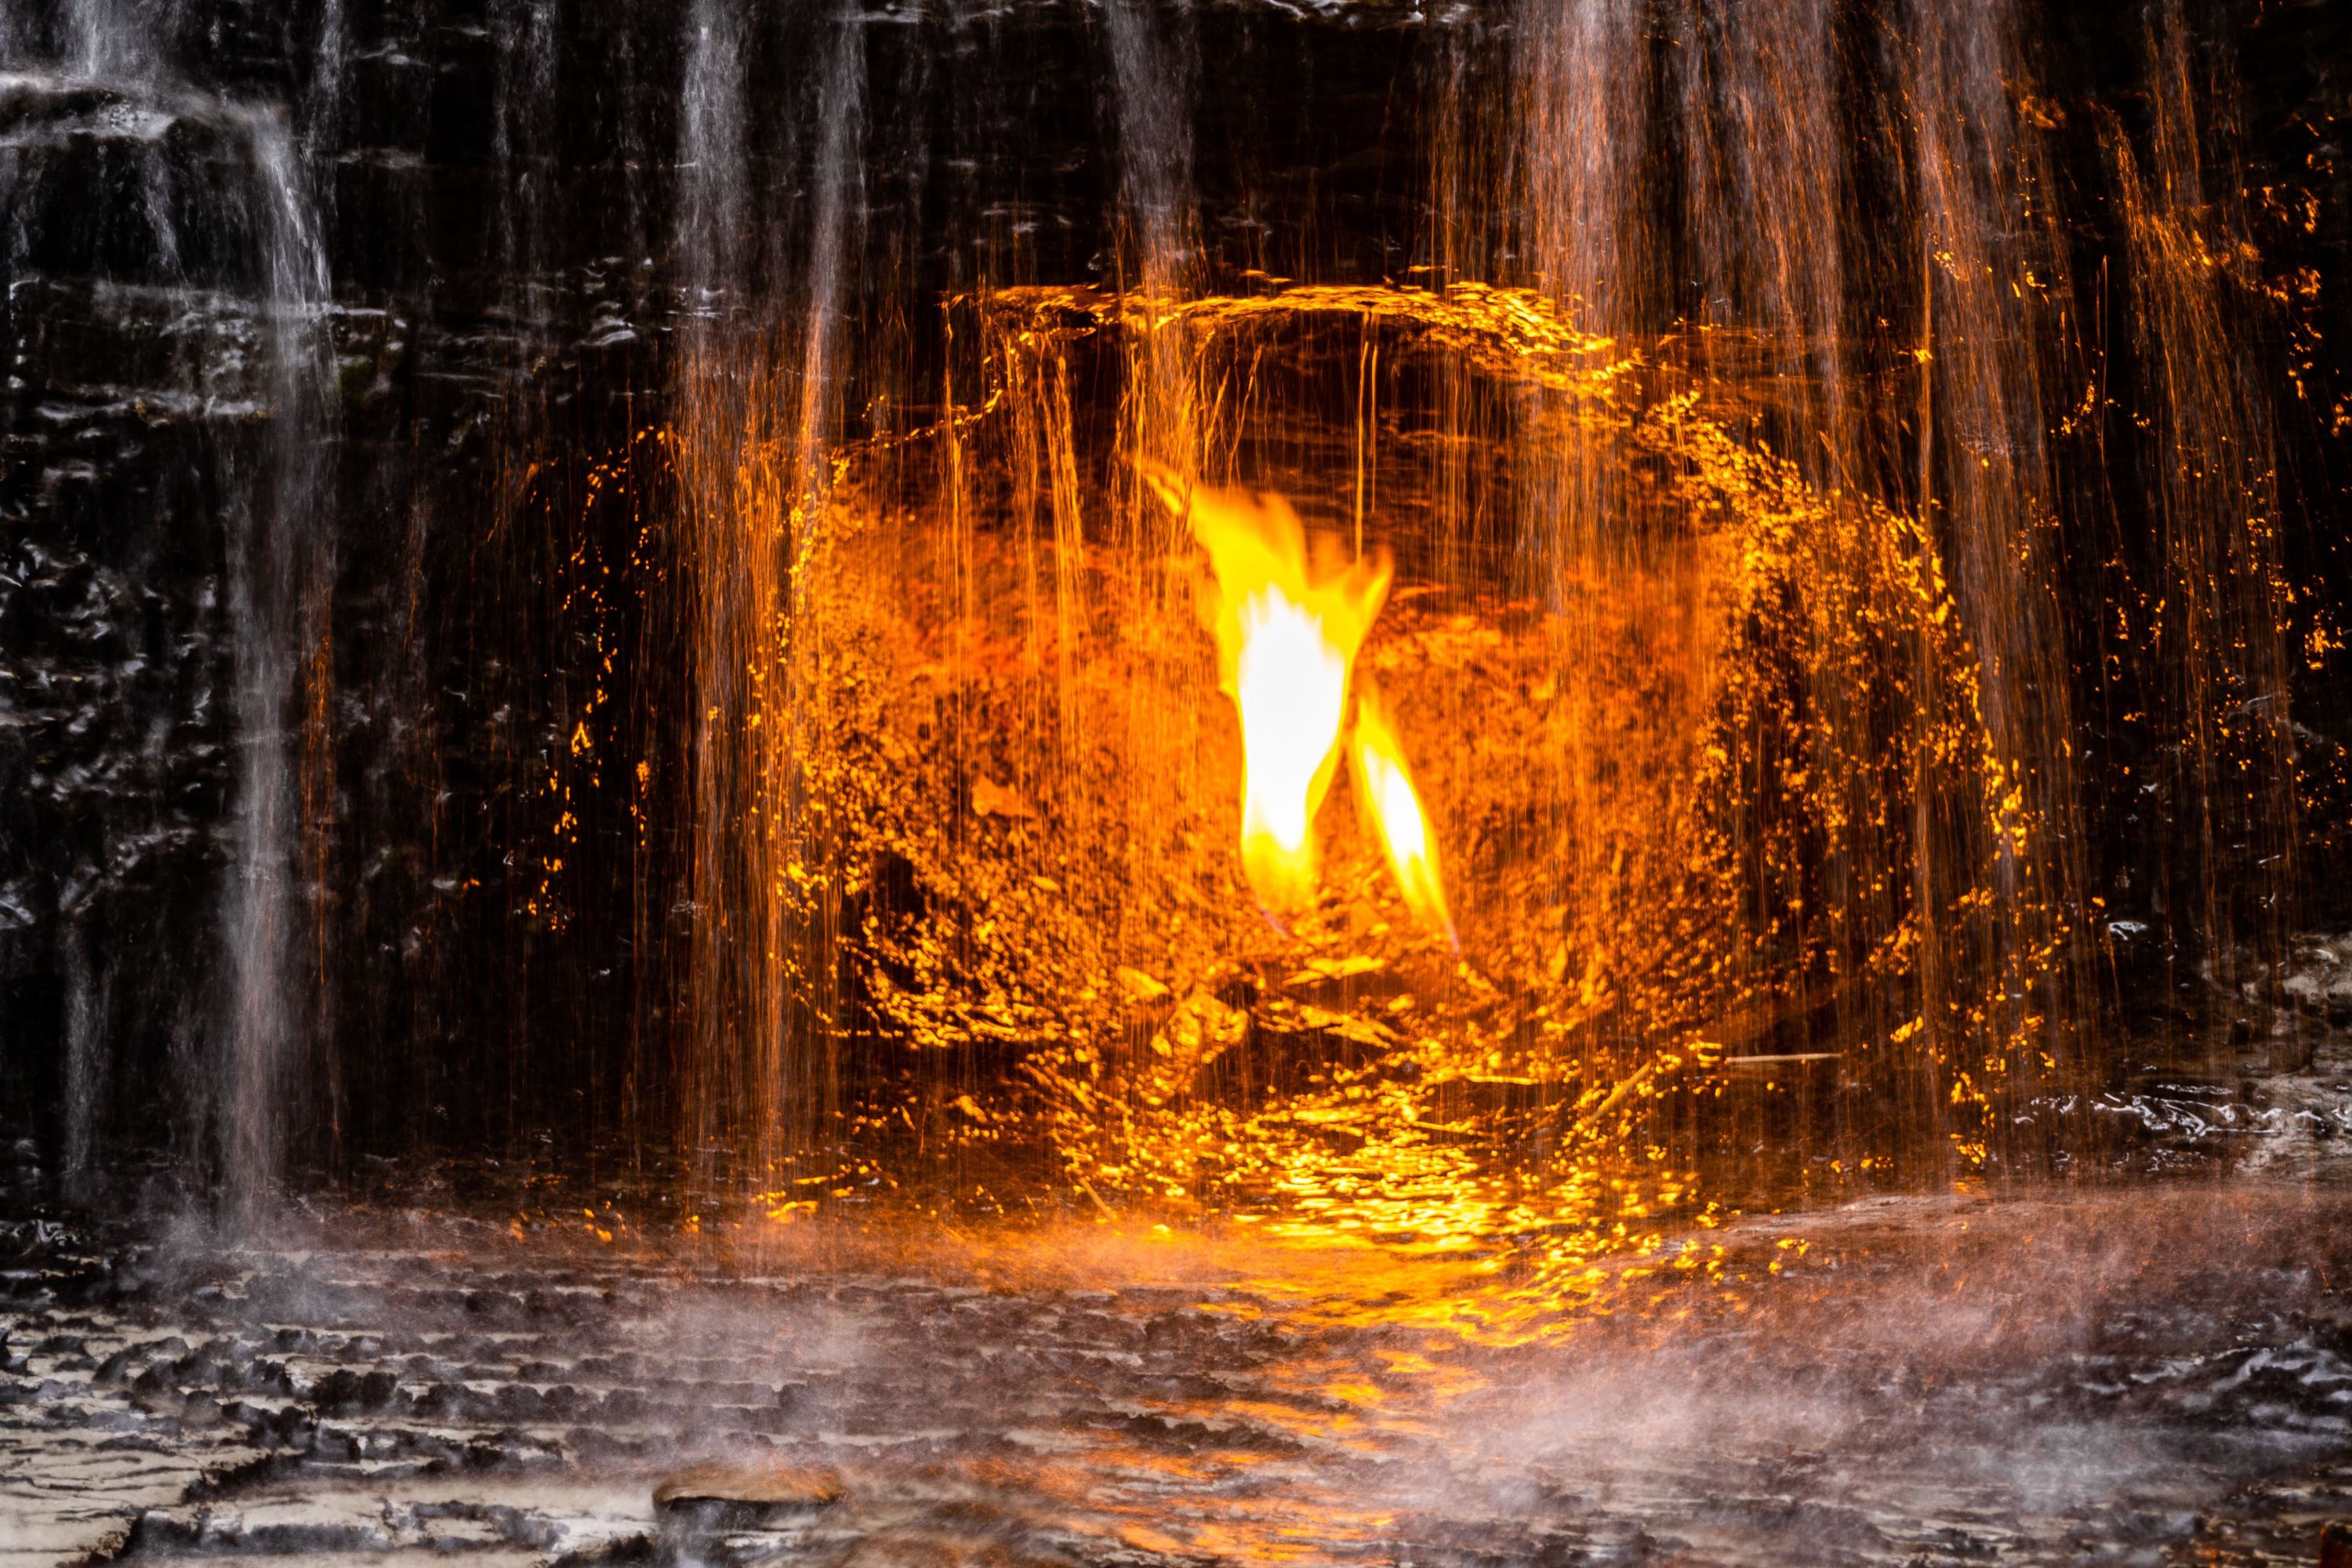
x=1288, y=621
x=1394, y=809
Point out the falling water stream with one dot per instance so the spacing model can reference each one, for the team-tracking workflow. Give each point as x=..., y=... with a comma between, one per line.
x=277, y=567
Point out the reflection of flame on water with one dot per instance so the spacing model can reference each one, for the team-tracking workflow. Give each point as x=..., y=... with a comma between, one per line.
x=1288, y=622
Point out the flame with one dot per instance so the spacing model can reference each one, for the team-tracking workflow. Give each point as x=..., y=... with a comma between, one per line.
x=1393, y=809
x=1288, y=623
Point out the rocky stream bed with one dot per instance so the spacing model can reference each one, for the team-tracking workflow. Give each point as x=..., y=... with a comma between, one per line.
x=2155, y=1375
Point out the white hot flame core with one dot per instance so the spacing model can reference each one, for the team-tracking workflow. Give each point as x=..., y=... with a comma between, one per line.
x=1291, y=688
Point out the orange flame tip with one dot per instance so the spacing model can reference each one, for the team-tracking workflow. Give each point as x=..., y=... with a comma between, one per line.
x=1393, y=811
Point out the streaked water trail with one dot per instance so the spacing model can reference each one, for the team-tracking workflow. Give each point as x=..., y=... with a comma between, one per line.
x=281, y=568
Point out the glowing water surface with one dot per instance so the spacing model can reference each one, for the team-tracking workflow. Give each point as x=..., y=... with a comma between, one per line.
x=2158, y=1375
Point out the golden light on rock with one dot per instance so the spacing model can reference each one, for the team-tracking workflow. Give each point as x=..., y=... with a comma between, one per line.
x=1086, y=686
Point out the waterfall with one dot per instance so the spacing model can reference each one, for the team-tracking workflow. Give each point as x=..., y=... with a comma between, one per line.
x=1765, y=188
x=2211, y=457
x=1583, y=110
x=734, y=604
x=1153, y=80
x=1721, y=193
x=520, y=148
x=1584, y=142
x=281, y=566
x=1153, y=77
x=110, y=38
x=85, y=1054
x=1993, y=282
x=803, y=1070
x=1845, y=428
x=759, y=411
x=278, y=529
x=1973, y=176
x=833, y=234
x=1583, y=138
x=713, y=174
x=323, y=96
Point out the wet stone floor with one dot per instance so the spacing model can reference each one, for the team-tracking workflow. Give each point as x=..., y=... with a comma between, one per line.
x=2160, y=1376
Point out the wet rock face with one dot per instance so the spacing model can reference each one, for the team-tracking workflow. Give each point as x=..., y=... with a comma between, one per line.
x=144, y=399
x=128, y=430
